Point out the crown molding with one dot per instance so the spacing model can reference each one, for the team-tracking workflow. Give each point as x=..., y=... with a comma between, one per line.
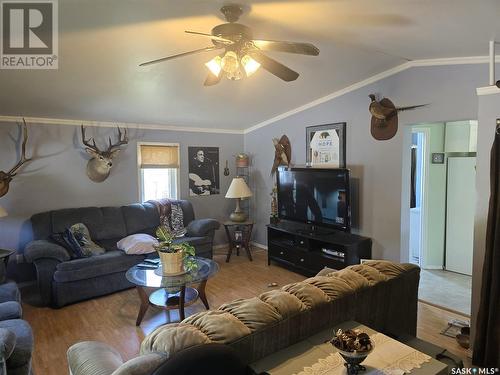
x=107, y=124
x=487, y=90
x=373, y=79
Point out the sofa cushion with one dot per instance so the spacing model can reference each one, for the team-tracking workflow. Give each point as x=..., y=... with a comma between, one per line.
x=172, y=338
x=252, y=312
x=192, y=240
x=8, y=342
x=141, y=218
x=90, y=357
x=113, y=225
x=111, y=244
x=142, y=365
x=86, y=268
x=90, y=216
x=219, y=326
x=24, y=342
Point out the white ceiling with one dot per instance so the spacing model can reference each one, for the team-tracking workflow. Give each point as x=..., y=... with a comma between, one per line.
x=102, y=43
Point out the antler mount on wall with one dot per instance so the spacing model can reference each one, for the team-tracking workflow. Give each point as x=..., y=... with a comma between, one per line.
x=6, y=177
x=99, y=166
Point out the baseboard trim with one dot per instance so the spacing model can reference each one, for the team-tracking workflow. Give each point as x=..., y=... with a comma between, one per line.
x=259, y=245
x=444, y=308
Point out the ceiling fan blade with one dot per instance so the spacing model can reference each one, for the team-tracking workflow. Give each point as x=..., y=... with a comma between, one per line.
x=212, y=79
x=206, y=49
x=274, y=67
x=290, y=47
x=213, y=37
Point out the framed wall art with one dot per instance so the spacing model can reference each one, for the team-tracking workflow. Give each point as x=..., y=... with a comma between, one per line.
x=203, y=171
x=325, y=145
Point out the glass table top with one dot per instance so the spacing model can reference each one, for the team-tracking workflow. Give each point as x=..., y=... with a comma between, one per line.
x=152, y=278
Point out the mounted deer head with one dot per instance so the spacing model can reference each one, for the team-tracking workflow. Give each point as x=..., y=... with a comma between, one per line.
x=99, y=167
x=6, y=177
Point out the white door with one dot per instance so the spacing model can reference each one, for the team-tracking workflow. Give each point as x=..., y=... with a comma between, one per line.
x=460, y=209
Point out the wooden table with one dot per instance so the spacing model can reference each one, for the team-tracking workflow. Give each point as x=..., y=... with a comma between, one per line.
x=243, y=240
x=295, y=358
x=172, y=292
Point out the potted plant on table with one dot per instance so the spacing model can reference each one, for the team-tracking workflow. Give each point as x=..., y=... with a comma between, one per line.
x=174, y=257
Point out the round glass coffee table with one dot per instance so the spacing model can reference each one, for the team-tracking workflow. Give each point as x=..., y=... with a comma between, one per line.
x=174, y=292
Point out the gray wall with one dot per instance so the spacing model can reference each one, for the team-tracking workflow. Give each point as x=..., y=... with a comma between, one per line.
x=488, y=112
x=56, y=177
x=378, y=166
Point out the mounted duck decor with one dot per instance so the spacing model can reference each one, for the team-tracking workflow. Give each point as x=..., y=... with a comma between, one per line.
x=384, y=122
x=282, y=153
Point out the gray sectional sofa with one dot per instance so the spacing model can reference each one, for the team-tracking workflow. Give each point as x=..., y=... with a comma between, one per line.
x=62, y=280
x=379, y=294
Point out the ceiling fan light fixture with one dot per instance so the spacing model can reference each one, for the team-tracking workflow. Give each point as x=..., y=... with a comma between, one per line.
x=215, y=65
x=230, y=62
x=250, y=65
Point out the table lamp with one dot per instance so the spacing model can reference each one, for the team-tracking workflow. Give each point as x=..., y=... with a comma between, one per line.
x=3, y=213
x=238, y=189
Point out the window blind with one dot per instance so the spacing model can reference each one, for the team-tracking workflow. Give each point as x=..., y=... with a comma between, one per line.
x=159, y=156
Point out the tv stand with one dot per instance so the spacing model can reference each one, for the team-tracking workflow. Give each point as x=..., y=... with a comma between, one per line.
x=307, y=251
x=313, y=230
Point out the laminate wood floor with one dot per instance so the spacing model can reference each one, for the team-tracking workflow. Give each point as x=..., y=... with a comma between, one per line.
x=111, y=319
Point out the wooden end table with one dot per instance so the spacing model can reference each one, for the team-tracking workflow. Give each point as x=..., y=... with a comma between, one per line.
x=238, y=236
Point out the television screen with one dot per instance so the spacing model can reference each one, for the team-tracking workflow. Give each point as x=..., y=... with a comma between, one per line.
x=314, y=196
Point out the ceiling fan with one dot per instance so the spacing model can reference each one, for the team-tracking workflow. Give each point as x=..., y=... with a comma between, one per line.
x=242, y=55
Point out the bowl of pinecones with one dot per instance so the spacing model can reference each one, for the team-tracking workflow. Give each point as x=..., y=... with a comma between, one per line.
x=354, y=346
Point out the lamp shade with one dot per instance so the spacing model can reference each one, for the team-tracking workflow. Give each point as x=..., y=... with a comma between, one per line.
x=3, y=213
x=238, y=189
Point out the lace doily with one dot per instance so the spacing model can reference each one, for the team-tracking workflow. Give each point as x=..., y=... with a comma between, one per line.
x=389, y=357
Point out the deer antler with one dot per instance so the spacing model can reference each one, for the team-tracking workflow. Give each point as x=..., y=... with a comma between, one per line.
x=86, y=142
x=23, y=159
x=121, y=140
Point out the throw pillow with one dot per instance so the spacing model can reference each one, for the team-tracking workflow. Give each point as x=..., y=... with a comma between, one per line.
x=60, y=239
x=76, y=248
x=177, y=220
x=82, y=235
x=138, y=244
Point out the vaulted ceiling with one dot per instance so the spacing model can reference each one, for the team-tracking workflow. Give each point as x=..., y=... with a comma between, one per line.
x=102, y=43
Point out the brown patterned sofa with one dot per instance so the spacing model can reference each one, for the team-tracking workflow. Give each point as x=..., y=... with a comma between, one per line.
x=379, y=294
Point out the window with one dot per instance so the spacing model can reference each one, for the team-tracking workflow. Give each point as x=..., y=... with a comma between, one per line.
x=159, y=171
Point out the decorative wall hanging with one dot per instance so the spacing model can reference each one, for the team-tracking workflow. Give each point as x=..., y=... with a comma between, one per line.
x=384, y=122
x=203, y=171
x=282, y=153
x=6, y=177
x=326, y=145
x=99, y=166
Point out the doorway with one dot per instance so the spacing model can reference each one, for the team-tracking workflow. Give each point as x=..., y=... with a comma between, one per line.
x=440, y=162
x=417, y=152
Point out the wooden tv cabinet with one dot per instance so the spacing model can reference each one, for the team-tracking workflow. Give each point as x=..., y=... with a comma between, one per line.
x=296, y=246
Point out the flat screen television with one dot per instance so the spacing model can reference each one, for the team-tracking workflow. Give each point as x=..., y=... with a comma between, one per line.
x=319, y=197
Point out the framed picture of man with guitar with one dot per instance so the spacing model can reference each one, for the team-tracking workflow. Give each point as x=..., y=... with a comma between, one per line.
x=203, y=171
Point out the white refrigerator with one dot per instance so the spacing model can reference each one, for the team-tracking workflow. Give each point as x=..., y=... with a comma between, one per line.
x=460, y=211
